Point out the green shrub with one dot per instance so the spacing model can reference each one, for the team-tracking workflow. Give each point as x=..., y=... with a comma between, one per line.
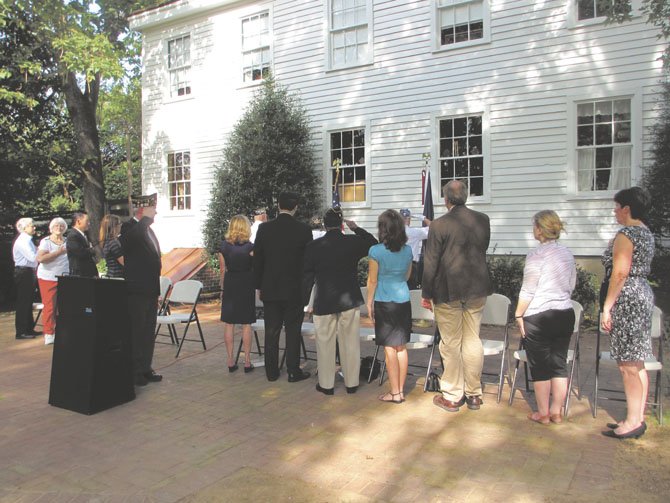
x=363, y=271
x=506, y=273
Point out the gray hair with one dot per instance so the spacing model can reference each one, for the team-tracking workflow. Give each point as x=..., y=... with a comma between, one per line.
x=22, y=223
x=456, y=192
x=57, y=221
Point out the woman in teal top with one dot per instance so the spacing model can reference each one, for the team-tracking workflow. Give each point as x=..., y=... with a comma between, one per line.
x=390, y=265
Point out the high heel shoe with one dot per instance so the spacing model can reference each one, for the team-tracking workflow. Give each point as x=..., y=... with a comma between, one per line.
x=635, y=433
x=233, y=368
x=248, y=369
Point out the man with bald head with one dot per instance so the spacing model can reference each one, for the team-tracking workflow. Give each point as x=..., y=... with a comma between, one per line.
x=455, y=284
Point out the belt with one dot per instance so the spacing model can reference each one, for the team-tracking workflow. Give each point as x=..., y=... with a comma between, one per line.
x=24, y=267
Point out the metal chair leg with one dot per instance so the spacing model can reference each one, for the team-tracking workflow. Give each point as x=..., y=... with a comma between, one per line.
x=513, y=385
x=372, y=367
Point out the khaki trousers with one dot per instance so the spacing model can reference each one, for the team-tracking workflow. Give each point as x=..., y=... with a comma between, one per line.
x=460, y=347
x=344, y=328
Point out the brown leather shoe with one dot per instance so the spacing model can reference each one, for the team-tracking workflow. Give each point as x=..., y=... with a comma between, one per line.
x=474, y=402
x=447, y=405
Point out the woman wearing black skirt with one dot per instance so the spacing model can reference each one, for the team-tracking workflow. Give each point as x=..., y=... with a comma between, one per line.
x=238, y=301
x=546, y=317
x=390, y=265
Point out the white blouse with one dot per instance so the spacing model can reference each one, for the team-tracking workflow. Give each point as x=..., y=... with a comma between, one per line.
x=57, y=267
x=549, y=277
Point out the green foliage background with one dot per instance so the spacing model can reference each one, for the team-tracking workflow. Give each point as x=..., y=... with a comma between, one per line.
x=268, y=152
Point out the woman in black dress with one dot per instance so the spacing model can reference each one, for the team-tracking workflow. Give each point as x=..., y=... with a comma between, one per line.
x=238, y=301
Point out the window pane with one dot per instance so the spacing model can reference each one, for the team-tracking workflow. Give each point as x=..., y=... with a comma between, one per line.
x=475, y=125
x=622, y=132
x=477, y=30
x=475, y=145
x=476, y=11
x=603, y=111
x=585, y=113
x=603, y=158
x=335, y=140
x=359, y=137
x=360, y=193
x=622, y=110
x=461, y=15
x=584, y=135
x=347, y=137
x=476, y=186
x=585, y=9
x=461, y=168
x=360, y=173
x=460, y=126
x=445, y=148
x=602, y=179
x=447, y=18
x=461, y=33
x=603, y=134
x=446, y=129
x=347, y=157
x=447, y=169
x=359, y=155
x=476, y=166
x=348, y=175
x=447, y=35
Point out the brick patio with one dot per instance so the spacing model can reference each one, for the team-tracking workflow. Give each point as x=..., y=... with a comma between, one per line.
x=204, y=434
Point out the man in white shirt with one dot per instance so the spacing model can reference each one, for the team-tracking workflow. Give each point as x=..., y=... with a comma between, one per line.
x=25, y=264
x=260, y=216
x=415, y=238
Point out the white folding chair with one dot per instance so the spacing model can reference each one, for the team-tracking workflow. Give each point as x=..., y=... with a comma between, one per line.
x=164, y=306
x=572, y=359
x=366, y=333
x=37, y=306
x=496, y=313
x=652, y=364
x=258, y=325
x=185, y=292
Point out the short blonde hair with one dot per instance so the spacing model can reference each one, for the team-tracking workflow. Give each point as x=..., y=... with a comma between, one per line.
x=22, y=223
x=57, y=221
x=239, y=229
x=549, y=224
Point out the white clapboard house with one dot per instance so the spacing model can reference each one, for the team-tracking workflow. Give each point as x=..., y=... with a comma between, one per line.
x=539, y=104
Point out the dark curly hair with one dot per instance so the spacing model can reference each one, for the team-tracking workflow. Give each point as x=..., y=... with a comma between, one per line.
x=391, y=228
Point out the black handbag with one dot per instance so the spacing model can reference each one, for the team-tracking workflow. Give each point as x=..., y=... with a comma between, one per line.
x=433, y=382
x=367, y=363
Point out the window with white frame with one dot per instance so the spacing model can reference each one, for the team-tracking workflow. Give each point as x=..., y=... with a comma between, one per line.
x=461, y=151
x=179, y=180
x=461, y=21
x=256, y=47
x=348, y=147
x=348, y=22
x=592, y=9
x=604, y=145
x=179, y=65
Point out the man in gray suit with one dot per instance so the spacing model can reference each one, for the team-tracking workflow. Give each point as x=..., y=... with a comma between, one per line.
x=455, y=284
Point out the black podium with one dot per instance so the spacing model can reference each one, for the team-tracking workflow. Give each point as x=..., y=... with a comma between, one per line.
x=92, y=363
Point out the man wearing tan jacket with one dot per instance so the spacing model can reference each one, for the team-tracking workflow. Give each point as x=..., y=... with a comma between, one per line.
x=455, y=284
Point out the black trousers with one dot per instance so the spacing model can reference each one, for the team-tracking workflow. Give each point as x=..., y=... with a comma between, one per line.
x=142, y=310
x=25, y=280
x=280, y=314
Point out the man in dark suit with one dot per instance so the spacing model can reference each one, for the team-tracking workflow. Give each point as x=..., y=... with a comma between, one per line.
x=142, y=266
x=332, y=261
x=278, y=257
x=455, y=284
x=80, y=252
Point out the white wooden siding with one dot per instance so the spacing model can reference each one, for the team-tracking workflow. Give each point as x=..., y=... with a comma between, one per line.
x=524, y=77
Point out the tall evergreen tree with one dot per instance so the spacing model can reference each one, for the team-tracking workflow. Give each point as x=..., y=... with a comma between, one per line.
x=268, y=152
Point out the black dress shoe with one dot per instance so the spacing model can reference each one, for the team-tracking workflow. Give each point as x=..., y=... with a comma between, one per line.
x=34, y=333
x=153, y=376
x=614, y=426
x=474, y=402
x=140, y=380
x=233, y=368
x=325, y=391
x=635, y=433
x=352, y=389
x=25, y=336
x=272, y=378
x=298, y=376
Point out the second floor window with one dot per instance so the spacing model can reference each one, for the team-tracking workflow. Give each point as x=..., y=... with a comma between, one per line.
x=349, y=147
x=179, y=180
x=460, y=21
x=461, y=152
x=348, y=22
x=256, y=55
x=604, y=145
x=179, y=65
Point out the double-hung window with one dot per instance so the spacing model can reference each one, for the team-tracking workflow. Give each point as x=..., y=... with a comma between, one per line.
x=348, y=164
x=461, y=151
x=179, y=65
x=256, y=47
x=179, y=179
x=586, y=12
x=349, y=32
x=604, y=144
x=462, y=21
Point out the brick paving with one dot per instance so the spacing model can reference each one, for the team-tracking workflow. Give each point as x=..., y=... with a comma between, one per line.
x=204, y=434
